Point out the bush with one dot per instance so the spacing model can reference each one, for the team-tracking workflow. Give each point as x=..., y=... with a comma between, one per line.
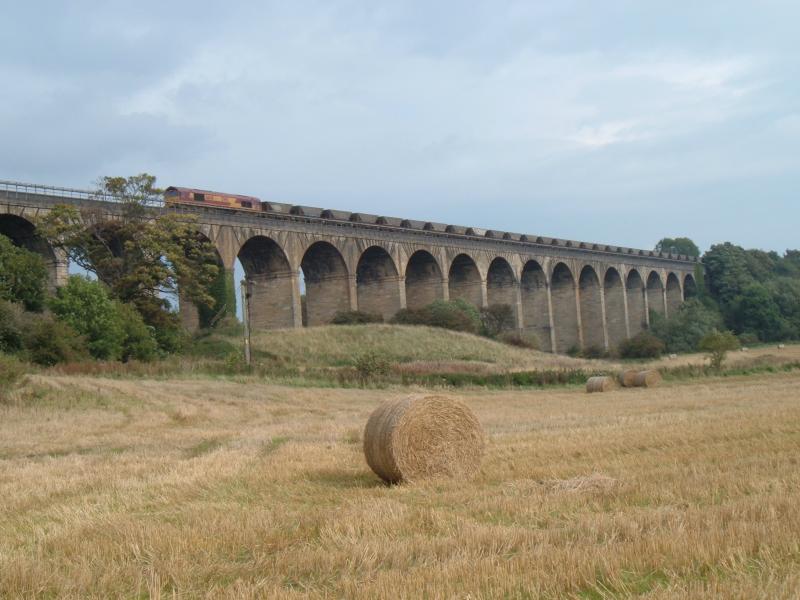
x=717, y=344
x=642, y=345
x=85, y=306
x=594, y=352
x=49, y=341
x=456, y=315
x=521, y=340
x=497, y=319
x=371, y=365
x=138, y=340
x=355, y=317
x=23, y=276
x=748, y=338
x=11, y=334
x=11, y=374
x=683, y=330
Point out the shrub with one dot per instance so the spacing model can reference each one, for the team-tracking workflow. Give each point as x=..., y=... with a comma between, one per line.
x=642, y=345
x=85, y=306
x=49, y=341
x=457, y=315
x=355, y=317
x=11, y=374
x=370, y=365
x=23, y=276
x=683, y=330
x=496, y=319
x=521, y=340
x=717, y=344
x=594, y=352
x=11, y=334
x=138, y=340
x=748, y=338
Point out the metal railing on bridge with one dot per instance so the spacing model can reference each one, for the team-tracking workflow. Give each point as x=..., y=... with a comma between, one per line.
x=20, y=190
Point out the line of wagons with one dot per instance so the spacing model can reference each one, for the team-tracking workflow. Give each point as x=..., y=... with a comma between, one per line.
x=181, y=195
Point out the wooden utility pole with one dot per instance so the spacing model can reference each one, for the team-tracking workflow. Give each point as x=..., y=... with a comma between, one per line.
x=246, y=319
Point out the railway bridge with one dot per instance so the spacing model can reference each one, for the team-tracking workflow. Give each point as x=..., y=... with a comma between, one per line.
x=568, y=293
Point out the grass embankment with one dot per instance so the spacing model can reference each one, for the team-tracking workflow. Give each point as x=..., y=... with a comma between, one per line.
x=334, y=356
x=219, y=489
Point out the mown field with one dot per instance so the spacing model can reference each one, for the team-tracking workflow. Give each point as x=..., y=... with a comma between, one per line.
x=238, y=488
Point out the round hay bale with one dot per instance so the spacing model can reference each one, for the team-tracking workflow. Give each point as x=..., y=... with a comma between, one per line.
x=422, y=437
x=600, y=384
x=648, y=379
x=628, y=378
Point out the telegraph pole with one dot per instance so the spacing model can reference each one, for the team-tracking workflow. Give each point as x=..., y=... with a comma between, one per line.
x=246, y=319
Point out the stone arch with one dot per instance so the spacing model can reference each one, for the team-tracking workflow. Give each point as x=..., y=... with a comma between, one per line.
x=535, y=307
x=655, y=293
x=637, y=315
x=615, y=307
x=591, y=302
x=502, y=286
x=270, y=283
x=465, y=280
x=377, y=283
x=565, y=310
x=674, y=294
x=327, y=283
x=689, y=287
x=423, y=280
x=22, y=233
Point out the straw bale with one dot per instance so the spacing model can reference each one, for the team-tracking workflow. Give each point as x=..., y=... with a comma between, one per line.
x=423, y=437
x=647, y=379
x=628, y=378
x=600, y=384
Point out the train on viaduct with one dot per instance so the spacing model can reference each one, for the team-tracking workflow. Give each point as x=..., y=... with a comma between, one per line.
x=570, y=294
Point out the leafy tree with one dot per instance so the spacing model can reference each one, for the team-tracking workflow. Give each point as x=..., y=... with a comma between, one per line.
x=142, y=256
x=23, y=275
x=756, y=310
x=717, y=344
x=680, y=245
x=683, y=330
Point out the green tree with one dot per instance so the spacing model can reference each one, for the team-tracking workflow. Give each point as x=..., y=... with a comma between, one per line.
x=142, y=256
x=717, y=344
x=86, y=307
x=23, y=275
x=679, y=245
x=683, y=330
x=756, y=310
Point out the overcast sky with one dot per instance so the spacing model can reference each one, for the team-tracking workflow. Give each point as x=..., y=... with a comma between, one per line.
x=617, y=122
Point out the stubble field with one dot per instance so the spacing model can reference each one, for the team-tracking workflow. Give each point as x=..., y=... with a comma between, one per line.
x=238, y=489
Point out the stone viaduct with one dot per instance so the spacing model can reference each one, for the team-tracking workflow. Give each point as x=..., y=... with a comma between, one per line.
x=568, y=293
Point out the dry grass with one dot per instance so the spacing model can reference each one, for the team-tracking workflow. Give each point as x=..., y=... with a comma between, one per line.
x=219, y=489
x=338, y=345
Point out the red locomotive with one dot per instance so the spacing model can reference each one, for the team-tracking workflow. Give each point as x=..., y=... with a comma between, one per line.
x=179, y=195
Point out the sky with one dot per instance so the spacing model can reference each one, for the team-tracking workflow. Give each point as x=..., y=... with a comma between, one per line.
x=616, y=122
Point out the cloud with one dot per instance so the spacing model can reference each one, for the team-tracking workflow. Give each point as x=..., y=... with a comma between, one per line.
x=511, y=115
